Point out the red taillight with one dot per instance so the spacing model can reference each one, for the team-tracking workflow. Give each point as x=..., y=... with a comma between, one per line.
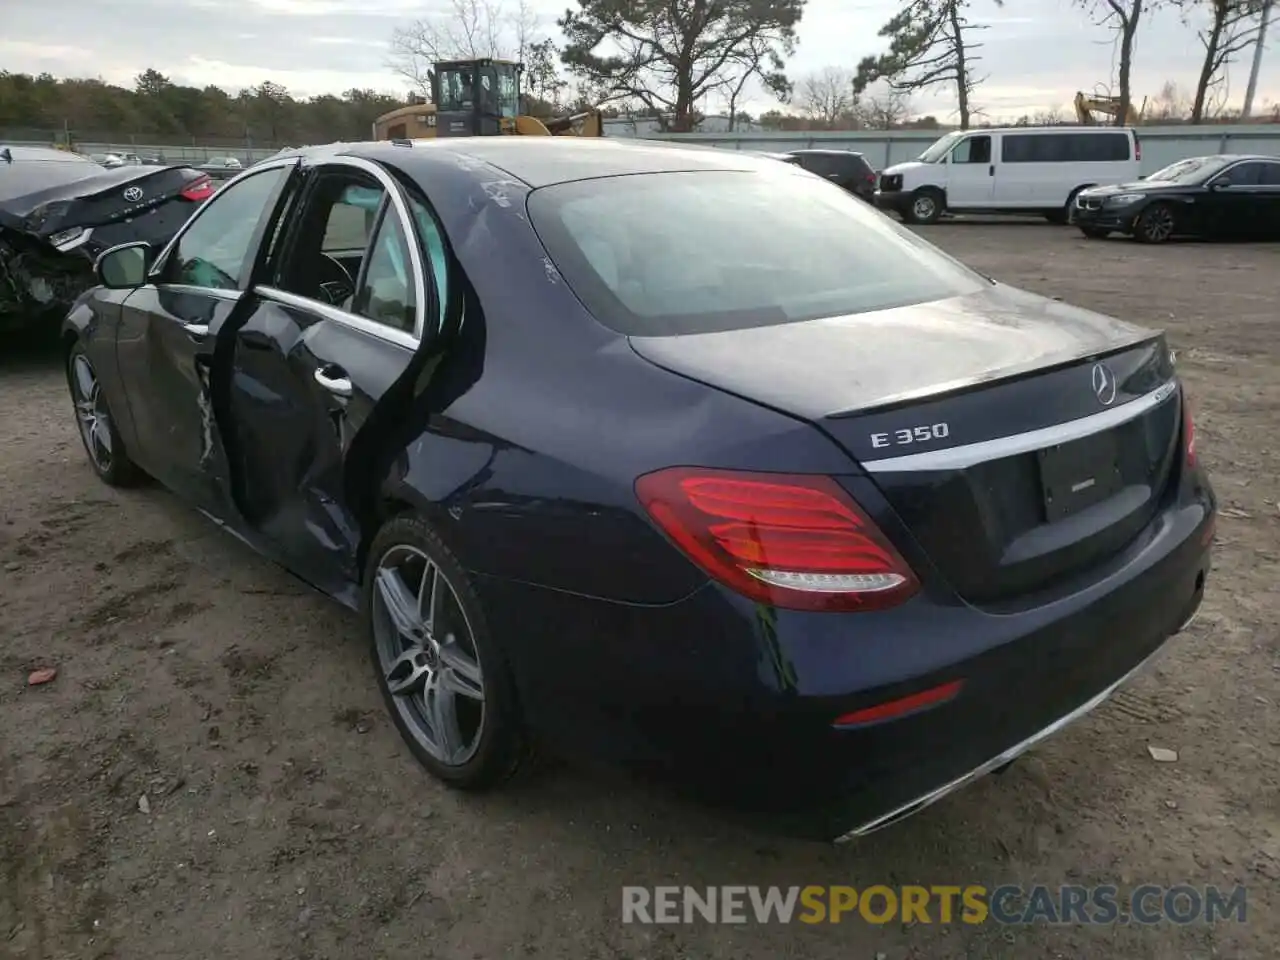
x=893, y=709
x=1137, y=147
x=793, y=541
x=871, y=178
x=1188, y=432
x=198, y=190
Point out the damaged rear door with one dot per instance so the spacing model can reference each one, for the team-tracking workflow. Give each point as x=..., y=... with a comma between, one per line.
x=169, y=328
x=342, y=318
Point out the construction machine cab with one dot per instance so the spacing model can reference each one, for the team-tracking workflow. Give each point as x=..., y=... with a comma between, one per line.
x=476, y=97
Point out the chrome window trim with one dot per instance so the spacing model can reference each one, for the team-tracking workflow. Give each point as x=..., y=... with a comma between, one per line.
x=338, y=315
x=396, y=195
x=970, y=454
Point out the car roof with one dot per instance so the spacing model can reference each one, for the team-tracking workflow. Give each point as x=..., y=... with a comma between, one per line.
x=543, y=161
x=825, y=151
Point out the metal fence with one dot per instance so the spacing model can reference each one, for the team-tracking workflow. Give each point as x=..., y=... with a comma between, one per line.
x=173, y=150
x=1160, y=145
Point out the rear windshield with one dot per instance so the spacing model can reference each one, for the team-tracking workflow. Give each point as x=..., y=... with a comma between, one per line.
x=678, y=253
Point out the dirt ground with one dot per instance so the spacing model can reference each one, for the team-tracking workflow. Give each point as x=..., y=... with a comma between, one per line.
x=286, y=820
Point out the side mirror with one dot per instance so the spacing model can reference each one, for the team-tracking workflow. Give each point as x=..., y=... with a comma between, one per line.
x=1219, y=185
x=123, y=267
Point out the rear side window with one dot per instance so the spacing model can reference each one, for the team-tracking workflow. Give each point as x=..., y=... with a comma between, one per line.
x=1270, y=175
x=1064, y=147
x=678, y=253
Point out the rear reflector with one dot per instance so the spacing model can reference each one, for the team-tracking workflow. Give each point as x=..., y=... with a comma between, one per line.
x=793, y=541
x=892, y=709
x=198, y=190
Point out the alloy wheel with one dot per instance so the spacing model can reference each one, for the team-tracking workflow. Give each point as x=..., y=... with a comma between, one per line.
x=427, y=653
x=1157, y=224
x=91, y=413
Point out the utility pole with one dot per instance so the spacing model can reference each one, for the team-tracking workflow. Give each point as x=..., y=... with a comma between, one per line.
x=1252, y=88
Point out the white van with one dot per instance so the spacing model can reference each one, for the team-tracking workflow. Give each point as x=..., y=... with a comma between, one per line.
x=1011, y=170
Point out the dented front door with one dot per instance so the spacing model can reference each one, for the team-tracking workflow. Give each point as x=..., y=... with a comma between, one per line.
x=169, y=330
x=165, y=350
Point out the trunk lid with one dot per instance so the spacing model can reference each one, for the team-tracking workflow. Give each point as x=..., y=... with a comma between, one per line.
x=1019, y=440
x=94, y=200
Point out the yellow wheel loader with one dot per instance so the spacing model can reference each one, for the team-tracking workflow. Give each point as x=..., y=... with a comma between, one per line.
x=478, y=98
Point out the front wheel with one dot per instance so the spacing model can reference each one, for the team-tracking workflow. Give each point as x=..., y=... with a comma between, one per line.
x=442, y=677
x=1155, y=224
x=97, y=425
x=926, y=207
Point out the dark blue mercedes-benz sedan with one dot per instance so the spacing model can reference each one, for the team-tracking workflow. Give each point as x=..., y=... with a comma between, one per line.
x=679, y=458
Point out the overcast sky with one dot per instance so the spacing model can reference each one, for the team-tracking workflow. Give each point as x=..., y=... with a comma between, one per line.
x=1037, y=52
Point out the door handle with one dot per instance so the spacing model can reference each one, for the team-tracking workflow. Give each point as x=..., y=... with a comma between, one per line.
x=991, y=170
x=339, y=385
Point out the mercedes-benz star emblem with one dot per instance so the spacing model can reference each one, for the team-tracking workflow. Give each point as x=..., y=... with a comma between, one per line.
x=1104, y=384
x=133, y=194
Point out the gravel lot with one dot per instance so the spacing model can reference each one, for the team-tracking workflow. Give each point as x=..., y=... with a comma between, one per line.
x=285, y=819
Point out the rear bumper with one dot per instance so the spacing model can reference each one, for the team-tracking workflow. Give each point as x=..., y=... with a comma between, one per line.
x=895, y=201
x=735, y=704
x=1006, y=757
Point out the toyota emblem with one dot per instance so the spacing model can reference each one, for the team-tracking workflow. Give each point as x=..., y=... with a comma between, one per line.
x=1104, y=384
x=133, y=194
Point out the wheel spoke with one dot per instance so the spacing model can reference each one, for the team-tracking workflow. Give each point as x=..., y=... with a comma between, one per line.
x=85, y=380
x=429, y=592
x=400, y=603
x=459, y=672
x=442, y=713
x=102, y=431
x=410, y=674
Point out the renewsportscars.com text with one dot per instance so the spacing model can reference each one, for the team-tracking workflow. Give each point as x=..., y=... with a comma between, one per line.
x=970, y=904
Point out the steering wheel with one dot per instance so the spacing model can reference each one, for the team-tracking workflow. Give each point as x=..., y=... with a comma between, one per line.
x=335, y=283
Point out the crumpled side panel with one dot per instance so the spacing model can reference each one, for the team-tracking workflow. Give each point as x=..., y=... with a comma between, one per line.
x=37, y=282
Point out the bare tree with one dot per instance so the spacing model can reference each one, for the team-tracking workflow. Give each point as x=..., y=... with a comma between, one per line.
x=1233, y=26
x=827, y=94
x=1122, y=16
x=1169, y=104
x=754, y=60
x=930, y=43
x=464, y=30
x=883, y=111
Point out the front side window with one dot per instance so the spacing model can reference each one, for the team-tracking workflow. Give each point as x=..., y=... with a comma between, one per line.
x=215, y=251
x=1241, y=175
x=972, y=150
x=676, y=253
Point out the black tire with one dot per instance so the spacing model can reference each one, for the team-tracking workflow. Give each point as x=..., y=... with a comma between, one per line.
x=97, y=425
x=927, y=206
x=1156, y=224
x=502, y=747
x=1058, y=217
x=1095, y=233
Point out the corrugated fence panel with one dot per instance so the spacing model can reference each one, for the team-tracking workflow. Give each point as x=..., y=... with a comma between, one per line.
x=1160, y=145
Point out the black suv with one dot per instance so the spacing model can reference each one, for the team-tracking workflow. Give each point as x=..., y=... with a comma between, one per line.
x=842, y=167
